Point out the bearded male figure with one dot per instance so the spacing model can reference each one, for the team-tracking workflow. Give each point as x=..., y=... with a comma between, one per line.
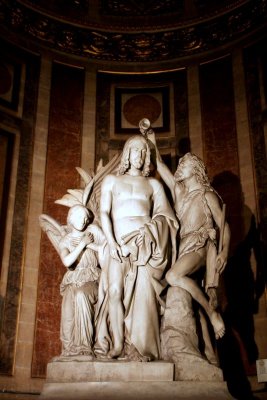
x=140, y=228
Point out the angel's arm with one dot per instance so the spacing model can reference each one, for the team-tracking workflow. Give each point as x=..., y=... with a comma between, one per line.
x=69, y=257
x=93, y=246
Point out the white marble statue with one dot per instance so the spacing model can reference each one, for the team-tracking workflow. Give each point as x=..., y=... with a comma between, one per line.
x=120, y=242
x=140, y=228
x=78, y=244
x=76, y=248
x=199, y=211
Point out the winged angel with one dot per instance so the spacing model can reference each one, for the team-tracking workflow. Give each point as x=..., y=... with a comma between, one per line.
x=80, y=245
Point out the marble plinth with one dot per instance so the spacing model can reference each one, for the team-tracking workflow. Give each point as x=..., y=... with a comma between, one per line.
x=106, y=371
x=121, y=380
x=136, y=391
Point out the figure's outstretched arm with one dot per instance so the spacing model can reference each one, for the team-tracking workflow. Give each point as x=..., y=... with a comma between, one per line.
x=217, y=214
x=163, y=170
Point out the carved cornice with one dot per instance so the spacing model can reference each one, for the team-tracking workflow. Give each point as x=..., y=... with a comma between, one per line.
x=134, y=8
x=131, y=15
x=138, y=46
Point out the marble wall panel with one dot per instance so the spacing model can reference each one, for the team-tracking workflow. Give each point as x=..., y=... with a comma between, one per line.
x=173, y=140
x=194, y=108
x=219, y=136
x=25, y=125
x=218, y=116
x=63, y=155
x=181, y=112
x=6, y=155
x=220, y=105
x=253, y=58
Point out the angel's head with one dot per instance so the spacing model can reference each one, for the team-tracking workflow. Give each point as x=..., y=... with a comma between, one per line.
x=136, y=152
x=79, y=217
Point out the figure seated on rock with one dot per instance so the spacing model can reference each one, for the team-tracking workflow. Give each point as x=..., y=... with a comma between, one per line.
x=199, y=211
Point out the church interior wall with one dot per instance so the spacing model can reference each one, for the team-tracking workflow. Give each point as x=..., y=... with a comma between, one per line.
x=63, y=115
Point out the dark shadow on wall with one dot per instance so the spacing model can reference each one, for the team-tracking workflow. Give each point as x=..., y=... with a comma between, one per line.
x=184, y=146
x=242, y=286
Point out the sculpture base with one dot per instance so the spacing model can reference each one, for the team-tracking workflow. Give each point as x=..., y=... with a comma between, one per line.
x=121, y=380
x=134, y=391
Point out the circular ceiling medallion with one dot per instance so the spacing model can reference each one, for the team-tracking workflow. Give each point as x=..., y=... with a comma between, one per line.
x=6, y=79
x=140, y=106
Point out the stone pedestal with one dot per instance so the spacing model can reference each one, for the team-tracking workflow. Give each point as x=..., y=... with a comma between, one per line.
x=120, y=380
x=183, y=374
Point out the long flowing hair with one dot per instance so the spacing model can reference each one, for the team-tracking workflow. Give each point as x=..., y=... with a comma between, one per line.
x=125, y=158
x=198, y=168
x=200, y=172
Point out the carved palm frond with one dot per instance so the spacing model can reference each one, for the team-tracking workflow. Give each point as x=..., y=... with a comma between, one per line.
x=90, y=195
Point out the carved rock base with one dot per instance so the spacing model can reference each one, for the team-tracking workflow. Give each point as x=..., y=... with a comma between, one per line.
x=179, y=340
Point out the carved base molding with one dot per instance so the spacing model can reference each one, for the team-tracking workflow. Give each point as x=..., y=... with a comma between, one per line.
x=120, y=380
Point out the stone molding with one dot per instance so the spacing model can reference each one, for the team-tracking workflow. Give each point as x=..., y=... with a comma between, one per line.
x=124, y=45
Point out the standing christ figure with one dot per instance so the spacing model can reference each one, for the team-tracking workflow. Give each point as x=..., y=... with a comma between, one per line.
x=137, y=221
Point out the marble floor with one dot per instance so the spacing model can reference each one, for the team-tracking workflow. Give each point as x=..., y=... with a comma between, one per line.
x=258, y=395
x=18, y=396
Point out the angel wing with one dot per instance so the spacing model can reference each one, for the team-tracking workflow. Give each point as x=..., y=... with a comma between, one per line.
x=53, y=229
x=90, y=195
x=73, y=197
x=78, y=196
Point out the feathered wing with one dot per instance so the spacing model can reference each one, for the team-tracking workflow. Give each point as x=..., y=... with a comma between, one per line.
x=72, y=198
x=90, y=195
x=53, y=229
x=78, y=196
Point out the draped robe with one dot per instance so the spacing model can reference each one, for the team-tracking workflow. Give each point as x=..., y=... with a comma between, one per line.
x=143, y=271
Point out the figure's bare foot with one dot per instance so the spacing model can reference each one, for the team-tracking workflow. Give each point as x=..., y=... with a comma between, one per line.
x=115, y=352
x=101, y=356
x=218, y=324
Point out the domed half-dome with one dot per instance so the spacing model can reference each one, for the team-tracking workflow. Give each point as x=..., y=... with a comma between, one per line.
x=132, y=31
